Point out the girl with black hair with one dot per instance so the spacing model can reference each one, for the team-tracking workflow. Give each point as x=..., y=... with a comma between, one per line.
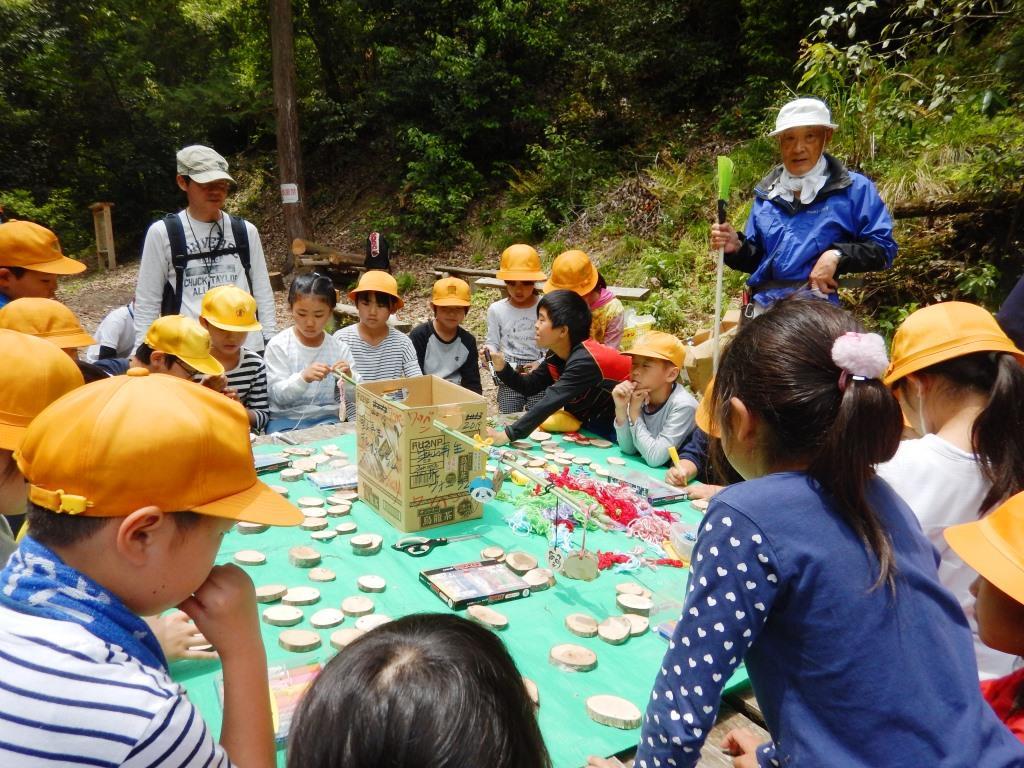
x=577, y=374
x=959, y=379
x=300, y=359
x=423, y=691
x=816, y=574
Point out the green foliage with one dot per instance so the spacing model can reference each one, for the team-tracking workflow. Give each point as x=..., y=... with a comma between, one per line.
x=439, y=184
x=406, y=282
x=58, y=213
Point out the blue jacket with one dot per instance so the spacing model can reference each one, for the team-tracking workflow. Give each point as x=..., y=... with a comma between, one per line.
x=783, y=239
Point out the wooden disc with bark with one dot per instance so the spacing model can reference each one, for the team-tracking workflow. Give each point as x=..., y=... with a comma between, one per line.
x=303, y=557
x=615, y=630
x=344, y=637
x=581, y=624
x=520, y=562
x=282, y=615
x=614, y=711
x=487, y=616
x=574, y=657
x=299, y=640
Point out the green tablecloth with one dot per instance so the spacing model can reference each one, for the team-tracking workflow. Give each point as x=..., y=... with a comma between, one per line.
x=535, y=623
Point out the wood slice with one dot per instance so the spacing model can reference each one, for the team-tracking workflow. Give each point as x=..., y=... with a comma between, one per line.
x=581, y=624
x=319, y=458
x=536, y=463
x=333, y=450
x=613, y=711
x=339, y=496
x=637, y=624
x=326, y=618
x=599, y=470
x=540, y=436
x=270, y=593
x=299, y=640
x=539, y=579
x=614, y=630
x=637, y=604
x=249, y=557
x=357, y=605
x=492, y=553
x=574, y=657
x=629, y=588
x=699, y=504
x=298, y=450
x=371, y=583
x=301, y=596
x=248, y=528
x=366, y=623
x=520, y=562
x=323, y=535
x=304, y=465
x=345, y=637
x=522, y=445
x=487, y=616
x=563, y=461
x=338, y=510
x=279, y=489
x=549, y=444
x=282, y=615
x=618, y=460
x=601, y=443
x=291, y=475
x=346, y=528
x=532, y=691
x=366, y=543
x=314, y=511
x=313, y=524
x=303, y=557
x=581, y=566
x=322, y=574
x=310, y=501
x=581, y=461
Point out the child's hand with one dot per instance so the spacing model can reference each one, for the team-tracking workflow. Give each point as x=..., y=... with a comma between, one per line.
x=217, y=382
x=702, y=491
x=742, y=744
x=682, y=474
x=231, y=394
x=178, y=636
x=316, y=372
x=342, y=367
x=621, y=394
x=497, y=359
x=637, y=400
x=497, y=436
x=224, y=610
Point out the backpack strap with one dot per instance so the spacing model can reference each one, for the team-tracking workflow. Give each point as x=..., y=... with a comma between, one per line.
x=241, y=237
x=171, y=303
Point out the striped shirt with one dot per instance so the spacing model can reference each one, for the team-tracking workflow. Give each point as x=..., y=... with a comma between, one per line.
x=67, y=698
x=394, y=357
x=249, y=380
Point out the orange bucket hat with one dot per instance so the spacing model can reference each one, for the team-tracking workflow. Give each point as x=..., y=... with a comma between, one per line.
x=520, y=262
x=994, y=546
x=130, y=441
x=45, y=319
x=572, y=271
x=942, y=332
x=380, y=282
x=450, y=292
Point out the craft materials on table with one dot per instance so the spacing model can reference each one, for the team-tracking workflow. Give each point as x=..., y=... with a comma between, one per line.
x=418, y=546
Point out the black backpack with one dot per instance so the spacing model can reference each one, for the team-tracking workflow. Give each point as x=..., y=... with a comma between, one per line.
x=171, y=302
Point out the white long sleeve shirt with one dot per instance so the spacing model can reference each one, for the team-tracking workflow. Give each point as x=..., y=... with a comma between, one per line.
x=202, y=274
x=291, y=396
x=654, y=433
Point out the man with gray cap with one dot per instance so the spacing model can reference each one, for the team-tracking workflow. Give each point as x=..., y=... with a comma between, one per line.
x=812, y=218
x=189, y=252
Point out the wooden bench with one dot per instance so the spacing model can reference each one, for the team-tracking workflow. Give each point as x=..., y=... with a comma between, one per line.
x=622, y=293
x=349, y=311
x=463, y=272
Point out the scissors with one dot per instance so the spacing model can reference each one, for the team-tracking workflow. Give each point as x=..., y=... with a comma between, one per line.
x=418, y=546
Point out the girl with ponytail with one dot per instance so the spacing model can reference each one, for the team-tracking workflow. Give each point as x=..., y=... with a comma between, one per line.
x=959, y=380
x=816, y=575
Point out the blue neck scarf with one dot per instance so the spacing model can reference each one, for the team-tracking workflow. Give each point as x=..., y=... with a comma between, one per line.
x=37, y=582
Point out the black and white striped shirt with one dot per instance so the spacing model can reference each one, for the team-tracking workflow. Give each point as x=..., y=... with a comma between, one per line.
x=393, y=358
x=249, y=380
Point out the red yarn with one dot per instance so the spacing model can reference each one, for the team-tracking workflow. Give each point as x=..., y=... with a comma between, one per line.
x=620, y=504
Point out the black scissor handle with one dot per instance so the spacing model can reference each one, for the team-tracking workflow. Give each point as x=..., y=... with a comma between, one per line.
x=417, y=546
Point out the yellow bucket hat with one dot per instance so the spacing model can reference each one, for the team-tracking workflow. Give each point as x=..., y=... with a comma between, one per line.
x=520, y=262
x=45, y=319
x=572, y=271
x=994, y=546
x=380, y=282
x=230, y=308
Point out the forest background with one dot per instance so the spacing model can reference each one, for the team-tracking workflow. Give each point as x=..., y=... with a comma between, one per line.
x=457, y=127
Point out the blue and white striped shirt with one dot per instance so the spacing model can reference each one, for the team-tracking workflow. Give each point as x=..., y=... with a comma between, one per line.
x=68, y=698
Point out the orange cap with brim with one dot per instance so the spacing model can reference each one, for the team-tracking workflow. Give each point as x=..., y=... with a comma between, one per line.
x=379, y=281
x=661, y=346
x=34, y=374
x=186, y=339
x=703, y=415
x=994, y=546
x=520, y=262
x=132, y=441
x=450, y=292
x=941, y=332
x=230, y=308
x=572, y=271
x=45, y=319
x=28, y=245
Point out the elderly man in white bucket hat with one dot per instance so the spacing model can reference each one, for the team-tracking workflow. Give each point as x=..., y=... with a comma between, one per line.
x=812, y=219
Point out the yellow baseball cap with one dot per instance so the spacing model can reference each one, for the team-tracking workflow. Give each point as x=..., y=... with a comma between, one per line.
x=379, y=281
x=572, y=271
x=28, y=245
x=994, y=546
x=703, y=415
x=520, y=262
x=662, y=346
x=129, y=441
x=186, y=339
x=230, y=308
x=45, y=319
x=942, y=332
x=34, y=374
x=450, y=292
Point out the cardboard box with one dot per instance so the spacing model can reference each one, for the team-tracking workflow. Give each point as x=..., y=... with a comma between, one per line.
x=729, y=321
x=411, y=473
x=699, y=362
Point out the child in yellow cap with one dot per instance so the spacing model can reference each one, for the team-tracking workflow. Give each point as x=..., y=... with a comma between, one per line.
x=378, y=350
x=959, y=380
x=994, y=547
x=179, y=346
x=229, y=315
x=127, y=528
x=31, y=261
x=443, y=347
x=46, y=319
x=574, y=271
x=653, y=410
x=34, y=374
x=510, y=321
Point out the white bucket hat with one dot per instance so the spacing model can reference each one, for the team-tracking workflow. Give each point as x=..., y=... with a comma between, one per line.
x=202, y=164
x=802, y=112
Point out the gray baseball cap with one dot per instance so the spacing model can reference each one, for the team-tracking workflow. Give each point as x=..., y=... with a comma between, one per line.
x=202, y=164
